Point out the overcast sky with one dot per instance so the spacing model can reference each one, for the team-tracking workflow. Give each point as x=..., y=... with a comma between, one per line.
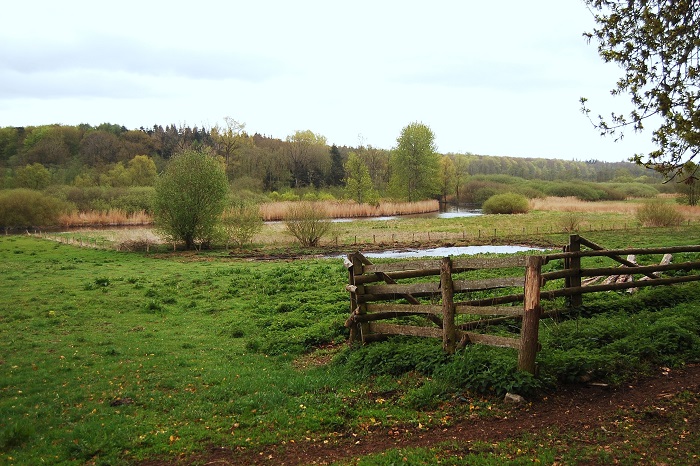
x=488, y=77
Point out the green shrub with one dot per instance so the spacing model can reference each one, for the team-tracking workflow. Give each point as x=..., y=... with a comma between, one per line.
x=636, y=190
x=529, y=192
x=657, y=213
x=508, y=203
x=609, y=193
x=134, y=199
x=25, y=208
x=241, y=222
x=582, y=191
x=477, y=192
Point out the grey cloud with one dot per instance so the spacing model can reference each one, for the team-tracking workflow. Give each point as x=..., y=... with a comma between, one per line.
x=113, y=53
x=66, y=84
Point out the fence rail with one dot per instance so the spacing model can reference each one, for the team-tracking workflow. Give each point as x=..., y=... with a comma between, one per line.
x=377, y=295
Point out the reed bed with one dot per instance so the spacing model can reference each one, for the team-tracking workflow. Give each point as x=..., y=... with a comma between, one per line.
x=275, y=211
x=114, y=217
x=573, y=204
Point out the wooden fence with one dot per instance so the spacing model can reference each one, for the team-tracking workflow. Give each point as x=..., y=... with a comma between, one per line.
x=376, y=294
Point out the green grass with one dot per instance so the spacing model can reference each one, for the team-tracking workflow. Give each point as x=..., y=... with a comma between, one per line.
x=110, y=357
x=83, y=328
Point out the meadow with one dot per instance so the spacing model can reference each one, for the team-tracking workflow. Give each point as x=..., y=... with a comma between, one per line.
x=111, y=357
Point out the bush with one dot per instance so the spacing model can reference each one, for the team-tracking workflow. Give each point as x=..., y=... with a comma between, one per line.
x=582, y=191
x=308, y=223
x=241, y=223
x=657, y=213
x=190, y=198
x=570, y=221
x=477, y=192
x=636, y=190
x=25, y=208
x=508, y=203
x=135, y=199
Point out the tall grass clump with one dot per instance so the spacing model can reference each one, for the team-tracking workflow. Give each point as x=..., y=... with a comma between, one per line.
x=657, y=213
x=507, y=203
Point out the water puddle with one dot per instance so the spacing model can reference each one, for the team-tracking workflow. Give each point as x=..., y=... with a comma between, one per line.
x=448, y=251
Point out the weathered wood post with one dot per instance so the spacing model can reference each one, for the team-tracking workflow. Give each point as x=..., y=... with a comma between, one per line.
x=449, y=334
x=529, y=333
x=574, y=263
x=353, y=264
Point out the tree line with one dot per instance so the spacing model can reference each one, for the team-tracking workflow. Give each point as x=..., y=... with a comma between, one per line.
x=112, y=155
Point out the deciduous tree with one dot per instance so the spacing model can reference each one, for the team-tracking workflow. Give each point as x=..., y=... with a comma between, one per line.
x=448, y=177
x=34, y=176
x=358, y=183
x=308, y=157
x=415, y=164
x=142, y=170
x=228, y=140
x=657, y=45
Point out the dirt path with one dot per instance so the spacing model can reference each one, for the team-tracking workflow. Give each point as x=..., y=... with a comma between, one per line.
x=576, y=408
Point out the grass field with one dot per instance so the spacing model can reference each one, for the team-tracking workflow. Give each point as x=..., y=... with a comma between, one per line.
x=109, y=357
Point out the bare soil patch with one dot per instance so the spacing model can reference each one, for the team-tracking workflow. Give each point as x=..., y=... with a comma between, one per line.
x=571, y=409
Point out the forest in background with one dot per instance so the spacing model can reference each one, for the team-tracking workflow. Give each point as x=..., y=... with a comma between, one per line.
x=98, y=168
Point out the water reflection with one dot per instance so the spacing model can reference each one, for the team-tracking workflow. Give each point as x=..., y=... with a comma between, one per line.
x=448, y=251
x=456, y=211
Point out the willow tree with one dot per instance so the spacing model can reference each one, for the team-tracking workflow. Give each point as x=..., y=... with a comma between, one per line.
x=656, y=43
x=415, y=164
x=190, y=197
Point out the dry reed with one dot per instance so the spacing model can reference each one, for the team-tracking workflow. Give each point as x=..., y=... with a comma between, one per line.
x=689, y=212
x=273, y=211
x=112, y=217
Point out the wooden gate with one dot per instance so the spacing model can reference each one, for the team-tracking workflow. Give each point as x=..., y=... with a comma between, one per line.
x=380, y=292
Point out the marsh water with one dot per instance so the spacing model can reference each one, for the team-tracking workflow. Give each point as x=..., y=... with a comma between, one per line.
x=448, y=251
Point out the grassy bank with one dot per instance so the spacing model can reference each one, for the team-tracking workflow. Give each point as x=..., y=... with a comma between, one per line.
x=109, y=357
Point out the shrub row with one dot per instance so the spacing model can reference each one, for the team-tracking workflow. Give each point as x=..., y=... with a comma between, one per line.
x=480, y=188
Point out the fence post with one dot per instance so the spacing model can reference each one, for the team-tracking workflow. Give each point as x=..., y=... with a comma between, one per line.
x=529, y=334
x=449, y=335
x=354, y=263
x=574, y=263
